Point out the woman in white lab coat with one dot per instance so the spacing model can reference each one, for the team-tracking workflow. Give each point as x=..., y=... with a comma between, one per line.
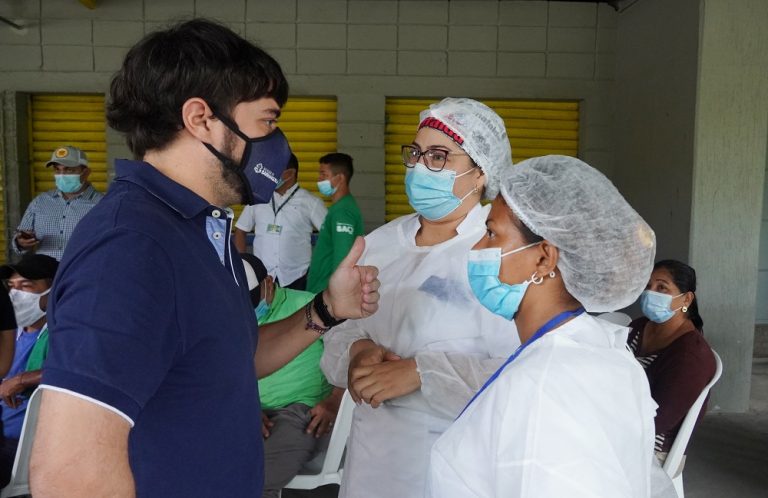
x=570, y=412
x=431, y=345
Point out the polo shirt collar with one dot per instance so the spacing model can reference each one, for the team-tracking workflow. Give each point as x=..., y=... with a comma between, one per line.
x=179, y=198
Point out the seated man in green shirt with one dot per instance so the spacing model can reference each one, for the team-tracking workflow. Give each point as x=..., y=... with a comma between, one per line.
x=342, y=224
x=298, y=404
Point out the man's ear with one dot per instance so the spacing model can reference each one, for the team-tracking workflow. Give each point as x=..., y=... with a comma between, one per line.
x=199, y=120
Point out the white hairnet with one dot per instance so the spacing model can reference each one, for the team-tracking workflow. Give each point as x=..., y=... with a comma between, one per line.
x=606, y=248
x=481, y=134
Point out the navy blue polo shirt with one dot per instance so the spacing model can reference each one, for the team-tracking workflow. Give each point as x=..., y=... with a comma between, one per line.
x=150, y=316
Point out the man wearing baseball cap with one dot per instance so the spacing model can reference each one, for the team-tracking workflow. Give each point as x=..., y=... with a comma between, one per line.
x=51, y=216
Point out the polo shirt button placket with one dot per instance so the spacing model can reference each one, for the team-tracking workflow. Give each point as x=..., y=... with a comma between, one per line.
x=216, y=235
x=216, y=213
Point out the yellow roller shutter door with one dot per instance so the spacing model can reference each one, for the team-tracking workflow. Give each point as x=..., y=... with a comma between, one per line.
x=57, y=120
x=535, y=128
x=309, y=123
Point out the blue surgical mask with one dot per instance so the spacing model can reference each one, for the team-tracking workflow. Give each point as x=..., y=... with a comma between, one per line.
x=68, y=183
x=656, y=306
x=483, y=269
x=261, y=310
x=430, y=193
x=326, y=188
x=264, y=160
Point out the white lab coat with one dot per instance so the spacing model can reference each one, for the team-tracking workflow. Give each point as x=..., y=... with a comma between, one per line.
x=572, y=417
x=427, y=311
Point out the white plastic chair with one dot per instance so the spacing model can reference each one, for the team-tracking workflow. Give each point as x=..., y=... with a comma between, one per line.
x=19, y=484
x=616, y=318
x=327, y=467
x=672, y=465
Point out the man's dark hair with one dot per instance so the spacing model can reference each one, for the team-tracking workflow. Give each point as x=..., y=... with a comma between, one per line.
x=340, y=163
x=293, y=163
x=197, y=58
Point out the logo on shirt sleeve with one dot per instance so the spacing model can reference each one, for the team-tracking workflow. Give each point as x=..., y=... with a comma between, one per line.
x=345, y=228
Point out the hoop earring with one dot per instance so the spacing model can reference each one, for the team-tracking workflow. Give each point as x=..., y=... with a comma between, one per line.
x=535, y=281
x=685, y=309
x=552, y=274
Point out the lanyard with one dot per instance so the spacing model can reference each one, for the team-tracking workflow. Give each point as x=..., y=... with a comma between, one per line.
x=284, y=202
x=551, y=324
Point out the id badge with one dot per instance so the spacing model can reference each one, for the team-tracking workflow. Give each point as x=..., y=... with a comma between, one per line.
x=276, y=229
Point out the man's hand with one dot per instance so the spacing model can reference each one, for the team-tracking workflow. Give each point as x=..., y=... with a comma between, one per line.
x=10, y=389
x=266, y=424
x=26, y=239
x=386, y=380
x=323, y=416
x=353, y=291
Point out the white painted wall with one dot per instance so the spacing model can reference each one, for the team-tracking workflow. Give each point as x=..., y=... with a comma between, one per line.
x=360, y=51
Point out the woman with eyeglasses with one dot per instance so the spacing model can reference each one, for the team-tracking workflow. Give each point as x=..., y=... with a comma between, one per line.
x=569, y=414
x=669, y=344
x=413, y=366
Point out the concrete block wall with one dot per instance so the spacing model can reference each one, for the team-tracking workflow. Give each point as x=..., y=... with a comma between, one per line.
x=360, y=51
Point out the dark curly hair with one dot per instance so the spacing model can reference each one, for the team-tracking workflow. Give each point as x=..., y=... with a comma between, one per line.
x=197, y=58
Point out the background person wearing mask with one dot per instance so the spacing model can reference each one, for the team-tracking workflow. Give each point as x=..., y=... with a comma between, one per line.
x=51, y=217
x=298, y=404
x=569, y=413
x=441, y=343
x=282, y=229
x=342, y=224
x=28, y=283
x=669, y=343
x=7, y=333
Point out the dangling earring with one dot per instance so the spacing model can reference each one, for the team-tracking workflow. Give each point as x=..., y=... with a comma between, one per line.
x=685, y=309
x=552, y=274
x=536, y=281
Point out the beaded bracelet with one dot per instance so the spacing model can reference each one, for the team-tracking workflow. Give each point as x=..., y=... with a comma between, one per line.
x=312, y=325
x=322, y=311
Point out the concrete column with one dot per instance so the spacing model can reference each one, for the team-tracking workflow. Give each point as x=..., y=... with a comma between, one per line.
x=730, y=132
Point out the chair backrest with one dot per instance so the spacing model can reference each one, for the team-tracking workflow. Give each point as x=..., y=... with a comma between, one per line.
x=19, y=484
x=616, y=317
x=677, y=451
x=339, y=435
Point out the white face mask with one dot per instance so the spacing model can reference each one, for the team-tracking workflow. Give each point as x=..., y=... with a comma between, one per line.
x=26, y=306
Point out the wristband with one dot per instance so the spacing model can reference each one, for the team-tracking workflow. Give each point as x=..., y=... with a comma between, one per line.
x=312, y=325
x=322, y=311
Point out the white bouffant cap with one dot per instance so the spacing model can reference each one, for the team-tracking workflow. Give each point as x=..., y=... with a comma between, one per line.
x=606, y=248
x=478, y=130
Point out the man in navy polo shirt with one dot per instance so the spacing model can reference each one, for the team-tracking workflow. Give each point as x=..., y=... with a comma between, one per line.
x=150, y=387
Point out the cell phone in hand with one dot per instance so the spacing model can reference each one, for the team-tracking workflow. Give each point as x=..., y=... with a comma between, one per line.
x=27, y=234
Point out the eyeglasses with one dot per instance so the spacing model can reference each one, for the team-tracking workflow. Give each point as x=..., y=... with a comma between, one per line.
x=434, y=159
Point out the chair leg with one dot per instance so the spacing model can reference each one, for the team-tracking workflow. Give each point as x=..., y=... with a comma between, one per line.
x=678, y=483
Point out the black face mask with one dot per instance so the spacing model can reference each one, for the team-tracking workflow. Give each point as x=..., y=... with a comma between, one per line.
x=263, y=162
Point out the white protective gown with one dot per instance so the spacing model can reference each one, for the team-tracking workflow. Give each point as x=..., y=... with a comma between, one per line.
x=427, y=311
x=572, y=416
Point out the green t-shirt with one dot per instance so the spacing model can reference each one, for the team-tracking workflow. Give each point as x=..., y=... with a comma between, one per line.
x=301, y=380
x=342, y=225
x=39, y=351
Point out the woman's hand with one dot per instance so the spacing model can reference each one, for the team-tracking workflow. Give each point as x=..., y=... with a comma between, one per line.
x=266, y=424
x=363, y=354
x=385, y=380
